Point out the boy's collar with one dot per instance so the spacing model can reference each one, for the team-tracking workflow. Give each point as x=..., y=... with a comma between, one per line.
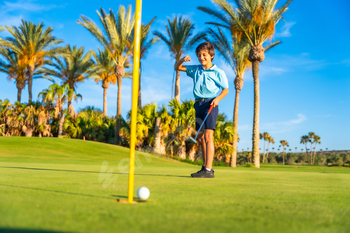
x=211, y=68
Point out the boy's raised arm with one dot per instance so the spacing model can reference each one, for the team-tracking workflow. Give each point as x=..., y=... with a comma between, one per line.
x=179, y=66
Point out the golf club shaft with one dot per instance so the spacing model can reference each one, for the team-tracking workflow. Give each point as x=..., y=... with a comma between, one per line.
x=211, y=107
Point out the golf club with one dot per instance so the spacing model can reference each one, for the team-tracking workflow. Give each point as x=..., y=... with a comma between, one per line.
x=192, y=140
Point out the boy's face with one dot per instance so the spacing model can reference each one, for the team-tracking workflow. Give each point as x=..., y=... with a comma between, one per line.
x=204, y=57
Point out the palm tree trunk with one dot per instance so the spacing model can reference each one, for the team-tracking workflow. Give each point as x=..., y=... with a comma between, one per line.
x=105, y=101
x=119, y=110
x=181, y=151
x=255, y=150
x=105, y=86
x=157, y=135
x=192, y=153
x=306, y=149
x=235, y=131
x=60, y=126
x=20, y=86
x=267, y=154
x=177, y=86
x=19, y=95
x=264, y=153
x=30, y=81
x=283, y=155
x=139, y=103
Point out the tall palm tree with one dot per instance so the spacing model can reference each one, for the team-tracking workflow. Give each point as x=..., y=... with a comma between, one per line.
x=145, y=45
x=316, y=140
x=311, y=140
x=265, y=137
x=304, y=140
x=284, y=143
x=58, y=95
x=33, y=44
x=254, y=21
x=73, y=67
x=17, y=70
x=269, y=140
x=179, y=40
x=236, y=55
x=116, y=40
x=104, y=73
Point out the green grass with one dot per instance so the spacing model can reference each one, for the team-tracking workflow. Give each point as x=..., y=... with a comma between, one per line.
x=52, y=185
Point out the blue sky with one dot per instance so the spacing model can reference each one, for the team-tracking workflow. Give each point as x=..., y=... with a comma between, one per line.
x=304, y=82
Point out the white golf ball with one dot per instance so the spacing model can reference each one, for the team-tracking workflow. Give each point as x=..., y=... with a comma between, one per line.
x=143, y=193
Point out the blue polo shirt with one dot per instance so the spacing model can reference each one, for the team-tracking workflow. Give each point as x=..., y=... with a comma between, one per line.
x=208, y=82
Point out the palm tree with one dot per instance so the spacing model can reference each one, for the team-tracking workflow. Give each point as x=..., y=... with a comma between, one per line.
x=254, y=21
x=270, y=140
x=17, y=70
x=162, y=129
x=183, y=122
x=145, y=45
x=265, y=137
x=311, y=140
x=284, y=143
x=116, y=40
x=72, y=68
x=179, y=42
x=236, y=55
x=104, y=72
x=33, y=45
x=317, y=140
x=304, y=140
x=58, y=95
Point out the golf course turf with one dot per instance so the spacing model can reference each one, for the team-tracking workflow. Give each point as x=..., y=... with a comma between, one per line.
x=67, y=185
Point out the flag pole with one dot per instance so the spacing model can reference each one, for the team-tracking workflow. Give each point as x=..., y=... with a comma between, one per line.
x=135, y=86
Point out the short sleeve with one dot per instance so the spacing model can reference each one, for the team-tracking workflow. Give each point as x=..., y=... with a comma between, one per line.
x=222, y=80
x=191, y=70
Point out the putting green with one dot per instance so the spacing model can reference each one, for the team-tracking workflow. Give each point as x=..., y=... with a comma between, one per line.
x=56, y=185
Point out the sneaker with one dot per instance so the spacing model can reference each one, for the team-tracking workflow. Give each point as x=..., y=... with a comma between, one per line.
x=203, y=168
x=204, y=173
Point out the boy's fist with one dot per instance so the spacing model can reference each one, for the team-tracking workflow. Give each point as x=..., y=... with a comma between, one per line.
x=187, y=58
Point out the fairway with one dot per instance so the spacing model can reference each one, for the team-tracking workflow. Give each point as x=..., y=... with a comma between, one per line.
x=56, y=185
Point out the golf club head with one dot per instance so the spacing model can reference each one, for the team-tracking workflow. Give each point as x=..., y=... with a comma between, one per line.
x=191, y=141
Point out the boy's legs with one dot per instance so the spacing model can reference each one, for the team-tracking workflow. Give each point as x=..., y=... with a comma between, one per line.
x=209, y=143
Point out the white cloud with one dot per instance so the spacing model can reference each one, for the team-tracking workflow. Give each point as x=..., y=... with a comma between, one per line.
x=284, y=126
x=276, y=127
x=285, y=32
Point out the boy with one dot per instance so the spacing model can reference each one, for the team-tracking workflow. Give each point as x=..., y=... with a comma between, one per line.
x=207, y=80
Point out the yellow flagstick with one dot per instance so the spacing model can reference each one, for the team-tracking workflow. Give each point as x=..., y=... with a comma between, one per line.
x=135, y=86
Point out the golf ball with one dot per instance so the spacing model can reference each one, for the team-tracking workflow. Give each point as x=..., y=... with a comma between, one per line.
x=143, y=193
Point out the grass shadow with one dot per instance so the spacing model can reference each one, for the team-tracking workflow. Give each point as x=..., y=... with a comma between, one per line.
x=61, y=170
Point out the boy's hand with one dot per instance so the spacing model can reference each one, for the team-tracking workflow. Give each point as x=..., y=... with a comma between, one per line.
x=215, y=102
x=186, y=59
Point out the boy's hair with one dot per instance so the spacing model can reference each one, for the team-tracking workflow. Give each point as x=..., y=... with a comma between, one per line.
x=206, y=46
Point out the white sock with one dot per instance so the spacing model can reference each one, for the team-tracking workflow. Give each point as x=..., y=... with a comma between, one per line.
x=208, y=169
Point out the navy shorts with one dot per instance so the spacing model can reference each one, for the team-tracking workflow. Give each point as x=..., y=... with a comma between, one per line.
x=202, y=108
